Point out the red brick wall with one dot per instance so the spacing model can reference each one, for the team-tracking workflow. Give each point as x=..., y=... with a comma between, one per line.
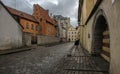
x=43, y=16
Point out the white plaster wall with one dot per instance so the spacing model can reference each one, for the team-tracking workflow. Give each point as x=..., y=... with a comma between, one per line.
x=27, y=37
x=10, y=31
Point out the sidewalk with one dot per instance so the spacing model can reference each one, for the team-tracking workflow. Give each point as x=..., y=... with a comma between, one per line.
x=10, y=51
x=81, y=62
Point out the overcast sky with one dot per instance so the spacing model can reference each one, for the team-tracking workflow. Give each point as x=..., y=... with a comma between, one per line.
x=67, y=8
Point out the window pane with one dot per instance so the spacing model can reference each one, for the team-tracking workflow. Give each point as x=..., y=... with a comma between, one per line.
x=27, y=26
x=32, y=27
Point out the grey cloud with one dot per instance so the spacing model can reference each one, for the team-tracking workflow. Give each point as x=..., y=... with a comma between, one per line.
x=19, y=4
x=64, y=7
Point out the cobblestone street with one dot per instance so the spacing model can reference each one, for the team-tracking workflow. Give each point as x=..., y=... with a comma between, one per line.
x=36, y=61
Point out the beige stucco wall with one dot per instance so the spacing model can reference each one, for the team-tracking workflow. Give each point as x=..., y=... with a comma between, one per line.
x=88, y=6
x=72, y=34
x=112, y=14
x=10, y=31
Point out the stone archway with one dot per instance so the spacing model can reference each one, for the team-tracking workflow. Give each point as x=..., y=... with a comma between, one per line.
x=101, y=37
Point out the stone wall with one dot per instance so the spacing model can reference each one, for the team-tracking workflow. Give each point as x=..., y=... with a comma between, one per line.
x=42, y=39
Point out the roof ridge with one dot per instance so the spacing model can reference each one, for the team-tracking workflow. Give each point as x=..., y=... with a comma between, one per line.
x=21, y=14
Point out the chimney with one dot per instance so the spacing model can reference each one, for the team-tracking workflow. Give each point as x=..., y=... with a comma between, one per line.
x=47, y=11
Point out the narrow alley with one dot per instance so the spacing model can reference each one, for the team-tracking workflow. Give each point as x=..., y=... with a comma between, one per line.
x=59, y=37
x=51, y=60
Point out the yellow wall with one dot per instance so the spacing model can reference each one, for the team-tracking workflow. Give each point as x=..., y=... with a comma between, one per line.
x=88, y=6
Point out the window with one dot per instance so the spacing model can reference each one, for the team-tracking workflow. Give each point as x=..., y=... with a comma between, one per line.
x=88, y=35
x=37, y=28
x=27, y=26
x=40, y=28
x=40, y=19
x=32, y=27
x=36, y=9
x=49, y=29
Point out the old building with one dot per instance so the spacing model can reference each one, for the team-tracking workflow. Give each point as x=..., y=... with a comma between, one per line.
x=48, y=25
x=10, y=30
x=29, y=23
x=99, y=30
x=63, y=25
x=72, y=34
x=39, y=28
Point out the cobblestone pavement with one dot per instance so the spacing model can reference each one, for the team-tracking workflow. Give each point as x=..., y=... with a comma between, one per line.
x=81, y=62
x=36, y=61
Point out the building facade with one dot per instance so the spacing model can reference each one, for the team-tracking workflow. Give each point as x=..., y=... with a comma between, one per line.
x=72, y=34
x=29, y=23
x=38, y=28
x=63, y=25
x=99, y=30
x=47, y=24
x=11, y=34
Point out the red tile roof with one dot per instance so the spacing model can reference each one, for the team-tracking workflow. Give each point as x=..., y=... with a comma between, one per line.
x=21, y=14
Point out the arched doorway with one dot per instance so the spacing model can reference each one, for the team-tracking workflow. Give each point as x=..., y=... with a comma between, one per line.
x=101, y=37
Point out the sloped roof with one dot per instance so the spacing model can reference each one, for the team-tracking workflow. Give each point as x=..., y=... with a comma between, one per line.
x=21, y=14
x=45, y=14
x=10, y=13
